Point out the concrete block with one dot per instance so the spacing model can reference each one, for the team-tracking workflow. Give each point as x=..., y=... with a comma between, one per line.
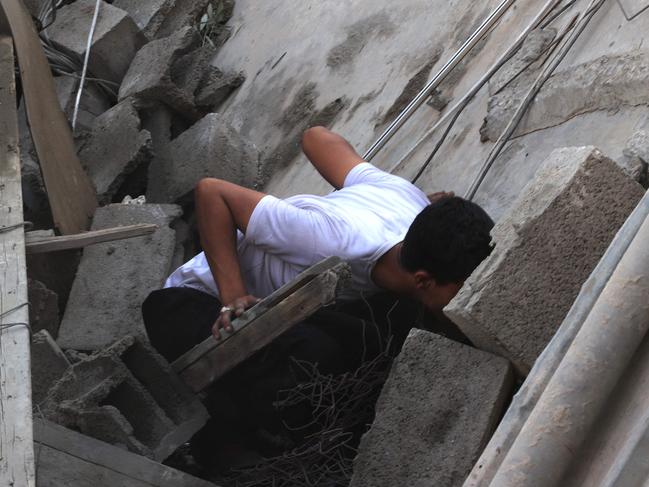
x=149, y=77
x=66, y=458
x=148, y=16
x=183, y=13
x=93, y=103
x=115, y=148
x=215, y=91
x=49, y=363
x=636, y=157
x=43, y=308
x=435, y=414
x=545, y=248
x=210, y=148
x=117, y=38
x=114, y=278
x=127, y=395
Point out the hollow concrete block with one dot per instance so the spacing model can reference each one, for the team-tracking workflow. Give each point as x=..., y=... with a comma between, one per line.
x=545, y=248
x=435, y=414
x=114, y=278
x=127, y=395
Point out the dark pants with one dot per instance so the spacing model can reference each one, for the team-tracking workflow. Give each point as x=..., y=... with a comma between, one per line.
x=176, y=319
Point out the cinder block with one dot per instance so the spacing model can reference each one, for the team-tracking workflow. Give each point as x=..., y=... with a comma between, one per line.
x=114, y=278
x=545, y=248
x=435, y=414
x=127, y=395
x=117, y=38
x=49, y=363
x=107, y=163
x=93, y=102
x=210, y=148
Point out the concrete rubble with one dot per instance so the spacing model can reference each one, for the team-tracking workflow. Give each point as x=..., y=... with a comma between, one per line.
x=545, y=248
x=434, y=416
x=117, y=38
x=43, y=308
x=108, y=164
x=114, y=278
x=127, y=395
x=49, y=363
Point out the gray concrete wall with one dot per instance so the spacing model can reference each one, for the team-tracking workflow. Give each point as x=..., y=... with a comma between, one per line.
x=347, y=63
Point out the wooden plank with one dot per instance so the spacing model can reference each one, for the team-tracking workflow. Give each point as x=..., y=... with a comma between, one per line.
x=67, y=458
x=253, y=313
x=16, y=448
x=39, y=244
x=71, y=193
x=253, y=334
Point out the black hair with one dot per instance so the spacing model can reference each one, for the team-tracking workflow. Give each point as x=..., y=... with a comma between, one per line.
x=448, y=239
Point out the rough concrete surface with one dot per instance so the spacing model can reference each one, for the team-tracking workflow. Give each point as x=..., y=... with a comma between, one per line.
x=606, y=83
x=49, y=363
x=108, y=163
x=210, y=148
x=435, y=414
x=114, y=278
x=147, y=15
x=545, y=248
x=149, y=77
x=117, y=38
x=127, y=395
x=43, y=308
x=636, y=157
x=93, y=102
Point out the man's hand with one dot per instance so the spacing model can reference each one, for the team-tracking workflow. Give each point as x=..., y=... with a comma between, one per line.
x=233, y=309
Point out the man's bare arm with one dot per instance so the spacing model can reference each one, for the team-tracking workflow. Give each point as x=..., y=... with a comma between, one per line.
x=221, y=209
x=330, y=154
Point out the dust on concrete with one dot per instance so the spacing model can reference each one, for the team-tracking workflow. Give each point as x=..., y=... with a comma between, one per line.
x=301, y=107
x=378, y=25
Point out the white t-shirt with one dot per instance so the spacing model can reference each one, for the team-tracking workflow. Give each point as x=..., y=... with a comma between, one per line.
x=368, y=216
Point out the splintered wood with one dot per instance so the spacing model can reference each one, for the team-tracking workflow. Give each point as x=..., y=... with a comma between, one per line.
x=257, y=327
x=16, y=448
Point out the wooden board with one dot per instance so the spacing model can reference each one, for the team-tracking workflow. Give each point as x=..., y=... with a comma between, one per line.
x=71, y=194
x=37, y=244
x=66, y=458
x=212, y=359
x=16, y=448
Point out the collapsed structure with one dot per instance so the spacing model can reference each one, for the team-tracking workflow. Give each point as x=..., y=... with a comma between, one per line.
x=165, y=113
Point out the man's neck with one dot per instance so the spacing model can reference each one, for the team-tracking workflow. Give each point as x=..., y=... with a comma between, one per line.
x=388, y=273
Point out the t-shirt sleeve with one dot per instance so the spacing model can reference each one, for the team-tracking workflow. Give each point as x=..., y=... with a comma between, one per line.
x=365, y=173
x=296, y=235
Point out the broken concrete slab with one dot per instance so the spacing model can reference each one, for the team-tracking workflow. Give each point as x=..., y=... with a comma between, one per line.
x=216, y=90
x=210, y=148
x=149, y=77
x=607, y=83
x=115, y=278
x=183, y=13
x=43, y=308
x=93, y=102
x=127, y=395
x=66, y=458
x=545, y=248
x=109, y=163
x=48, y=364
x=435, y=414
x=117, y=38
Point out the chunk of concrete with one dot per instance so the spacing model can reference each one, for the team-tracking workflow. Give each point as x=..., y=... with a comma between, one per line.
x=114, y=278
x=183, y=13
x=116, y=40
x=435, y=414
x=216, y=90
x=116, y=147
x=636, y=157
x=48, y=364
x=66, y=458
x=127, y=395
x=43, y=308
x=93, y=102
x=149, y=77
x=149, y=15
x=210, y=148
x=546, y=247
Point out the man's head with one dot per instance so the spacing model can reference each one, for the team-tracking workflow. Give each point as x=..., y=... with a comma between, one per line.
x=443, y=246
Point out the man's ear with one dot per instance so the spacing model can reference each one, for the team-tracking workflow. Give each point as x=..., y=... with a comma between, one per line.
x=423, y=280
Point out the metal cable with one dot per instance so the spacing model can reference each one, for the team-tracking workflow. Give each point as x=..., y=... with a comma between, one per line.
x=91, y=34
x=579, y=27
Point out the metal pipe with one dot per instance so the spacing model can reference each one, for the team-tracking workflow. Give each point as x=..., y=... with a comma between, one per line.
x=547, y=363
x=566, y=412
x=407, y=112
x=482, y=81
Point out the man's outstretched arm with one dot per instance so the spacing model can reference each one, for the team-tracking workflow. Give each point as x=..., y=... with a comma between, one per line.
x=330, y=154
x=221, y=209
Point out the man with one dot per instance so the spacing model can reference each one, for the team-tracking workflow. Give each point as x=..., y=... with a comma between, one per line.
x=393, y=236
